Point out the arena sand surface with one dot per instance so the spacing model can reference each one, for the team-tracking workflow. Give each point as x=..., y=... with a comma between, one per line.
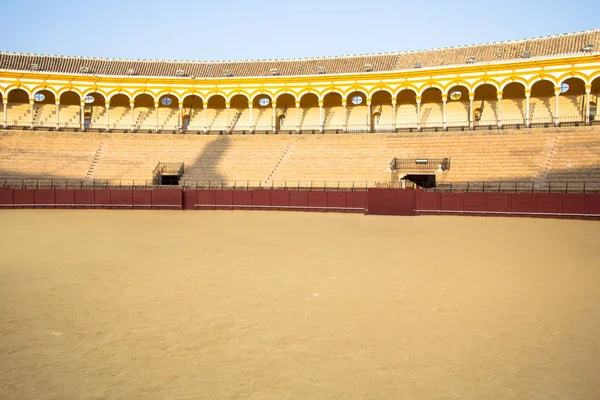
x=280, y=305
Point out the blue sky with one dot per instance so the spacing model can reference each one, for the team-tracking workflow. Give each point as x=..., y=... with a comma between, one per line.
x=239, y=30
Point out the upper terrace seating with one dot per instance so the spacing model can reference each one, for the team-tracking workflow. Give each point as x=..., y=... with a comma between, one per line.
x=492, y=52
x=530, y=155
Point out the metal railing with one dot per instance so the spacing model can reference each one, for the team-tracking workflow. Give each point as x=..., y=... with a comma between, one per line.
x=425, y=126
x=454, y=187
x=420, y=164
x=517, y=187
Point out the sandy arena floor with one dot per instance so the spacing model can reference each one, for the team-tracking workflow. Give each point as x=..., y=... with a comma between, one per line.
x=280, y=305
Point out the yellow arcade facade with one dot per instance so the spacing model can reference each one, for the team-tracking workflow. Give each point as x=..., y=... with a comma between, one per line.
x=553, y=89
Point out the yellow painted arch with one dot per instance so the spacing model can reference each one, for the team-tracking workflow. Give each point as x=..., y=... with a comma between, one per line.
x=411, y=88
x=541, y=77
x=70, y=89
x=430, y=85
x=143, y=91
x=574, y=74
x=44, y=87
x=454, y=84
x=513, y=79
x=17, y=86
x=382, y=88
x=485, y=81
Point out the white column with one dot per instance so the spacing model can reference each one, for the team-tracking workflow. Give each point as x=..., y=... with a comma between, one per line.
x=180, y=117
x=527, y=96
x=588, y=93
x=57, y=102
x=228, y=107
x=444, y=119
x=131, y=106
x=250, y=122
x=274, y=119
x=31, y=103
x=344, y=104
x=107, y=105
x=471, y=110
x=205, y=106
x=82, y=114
x=5, y=104
x=369, y=116
x=556, y=97
x=156, y=105
x=499, y=108
x=394, y=114
x=418, y=112
x=297, y=116
x=321, y=115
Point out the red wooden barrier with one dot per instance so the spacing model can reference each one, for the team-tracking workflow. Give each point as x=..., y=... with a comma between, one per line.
x=190, y=199
x=6, y=197
x=23, y=198
x=224, y=199
x=242, y=199
x=391, y=201
x=142, y=199
x=64, y=198
x=280, y=198
x=121, y=198
x=166, y=199
x=84, y=198
x=261, y=199
x=44, y=198
x=102, y=198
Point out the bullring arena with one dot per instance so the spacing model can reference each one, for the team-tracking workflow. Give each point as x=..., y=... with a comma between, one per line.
x=306, y=228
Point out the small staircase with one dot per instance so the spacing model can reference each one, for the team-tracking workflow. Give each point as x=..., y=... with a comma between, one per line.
x=286, y=153
x=235, y=120
x=550, y=152
x=95, y=161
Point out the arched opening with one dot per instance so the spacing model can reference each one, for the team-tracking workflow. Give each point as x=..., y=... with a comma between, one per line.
x=192, y=113
x=594, y=115
x=485, y=104
x=70, y=110
x=333, y=112
x=94, y=111
x=357, y=112
x=406, y=109
x=240, y=113
x=144, y=112
x=309, y=112
x=119, y=112
x=431, y=108
x=44, y=109
x=572, y=101
x=216, y=117
x=457, y=106
x=168, y=112
x=286, y=112
x=542, y=103
x=262, y=113
x=513, y=104
x=18, y=108
x=381, y=112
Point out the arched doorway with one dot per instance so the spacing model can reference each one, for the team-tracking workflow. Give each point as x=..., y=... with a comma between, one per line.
x=513, y=106
x=381, y=112
x=169, y=118
x=286, y=113
x=44, y=109
x=119, y=112
x=144, y=118
x=18, y=108
x=262, y=114
x=70, y=110
x=193, y=118
x=239, y=119
x=457, y=107
x=485, y=104
x=572, y=101
x=216, y=117
x=431, y=108
x=333, y=112
x=542, y=103
x=357, y=112
x=406, y=110
x=95, y=113
x=309, y=112
x=595, y=91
